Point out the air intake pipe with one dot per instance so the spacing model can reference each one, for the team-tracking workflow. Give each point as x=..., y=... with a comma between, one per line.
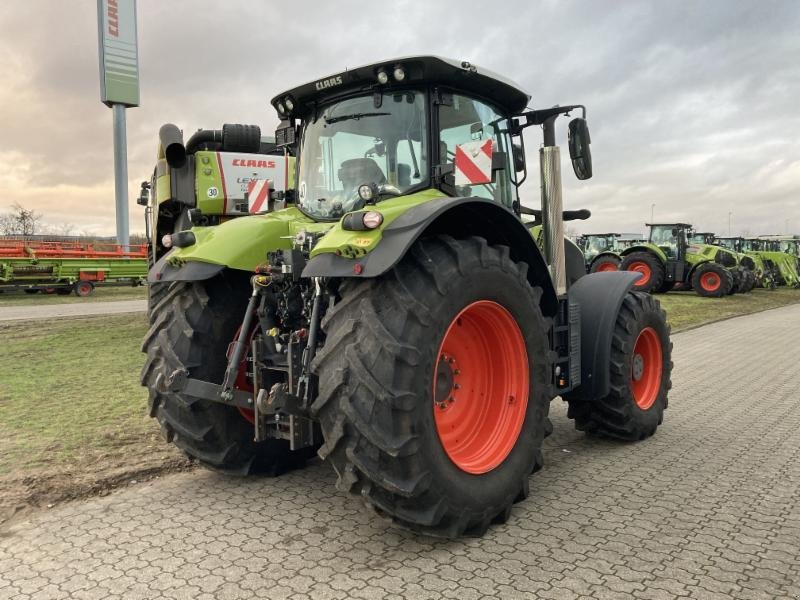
x=231, y=138
x=171, y=140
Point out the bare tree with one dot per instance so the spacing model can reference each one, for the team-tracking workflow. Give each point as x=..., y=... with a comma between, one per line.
x=21, y=221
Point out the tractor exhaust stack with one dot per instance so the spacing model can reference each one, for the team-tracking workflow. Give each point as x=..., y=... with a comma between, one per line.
x=552, y=207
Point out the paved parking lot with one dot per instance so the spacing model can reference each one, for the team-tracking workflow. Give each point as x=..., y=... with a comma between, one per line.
x=708, y=508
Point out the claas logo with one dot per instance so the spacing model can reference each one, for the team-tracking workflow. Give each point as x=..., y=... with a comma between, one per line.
x=249, y=162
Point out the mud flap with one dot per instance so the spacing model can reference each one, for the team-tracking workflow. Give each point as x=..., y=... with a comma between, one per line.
x=600, y=297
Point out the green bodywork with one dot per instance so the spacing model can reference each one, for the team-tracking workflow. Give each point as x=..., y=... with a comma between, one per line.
x=787, y=265
x=242, y=243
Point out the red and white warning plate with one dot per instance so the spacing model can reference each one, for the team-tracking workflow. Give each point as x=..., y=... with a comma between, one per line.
x=258, y=195
x=473, y=162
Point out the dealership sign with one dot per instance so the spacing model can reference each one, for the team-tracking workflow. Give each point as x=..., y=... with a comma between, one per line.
x=119, y=57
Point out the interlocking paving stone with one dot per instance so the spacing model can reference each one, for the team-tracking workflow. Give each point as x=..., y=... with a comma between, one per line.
x=708, y=508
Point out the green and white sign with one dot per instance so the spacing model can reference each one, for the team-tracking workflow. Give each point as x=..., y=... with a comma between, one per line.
x=119, y=56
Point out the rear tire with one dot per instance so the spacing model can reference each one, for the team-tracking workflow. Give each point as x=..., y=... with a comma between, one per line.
x=712, y=280
x=380, y=386
x=605, y=263
x=650, y=268
x=634, y=408
x=191, y=327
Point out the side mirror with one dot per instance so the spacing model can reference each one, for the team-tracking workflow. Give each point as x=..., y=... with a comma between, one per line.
x=579, y=150
x=144, y=194
x=519, y=157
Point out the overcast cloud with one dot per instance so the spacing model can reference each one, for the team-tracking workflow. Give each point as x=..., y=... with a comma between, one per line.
x=693, y=106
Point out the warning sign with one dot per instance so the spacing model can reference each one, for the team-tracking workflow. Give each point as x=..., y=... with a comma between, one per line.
x=473, y=162
x=258, y=195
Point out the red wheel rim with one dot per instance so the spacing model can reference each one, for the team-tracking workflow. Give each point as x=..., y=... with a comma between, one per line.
x=480, y=387
x=84, y=289
x=607, y=266
x=710, y=281
x=646, y=368
x=644, y=269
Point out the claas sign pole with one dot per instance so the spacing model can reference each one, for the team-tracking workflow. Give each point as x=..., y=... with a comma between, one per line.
x=119, y=89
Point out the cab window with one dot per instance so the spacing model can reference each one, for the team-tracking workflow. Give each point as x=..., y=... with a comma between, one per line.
x=469, y=120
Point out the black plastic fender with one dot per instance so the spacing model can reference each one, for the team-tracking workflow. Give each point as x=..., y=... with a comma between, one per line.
x=600, y=297
x=192, y=270
x=459, y=217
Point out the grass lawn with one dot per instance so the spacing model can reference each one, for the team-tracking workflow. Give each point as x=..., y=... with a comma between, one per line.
x=686, y=309
x=101, y=294
x=73, y=417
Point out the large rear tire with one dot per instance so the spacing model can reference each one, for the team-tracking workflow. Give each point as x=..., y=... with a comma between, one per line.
x=712, y=280
x=649, y=267
x=641, y=368
x=434, y=387
x=191, y=328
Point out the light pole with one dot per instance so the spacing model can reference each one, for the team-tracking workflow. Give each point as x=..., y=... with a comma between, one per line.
x=730, y=214
x=652, y=207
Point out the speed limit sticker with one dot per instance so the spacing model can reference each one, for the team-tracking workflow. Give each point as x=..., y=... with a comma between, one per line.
x=213, y=192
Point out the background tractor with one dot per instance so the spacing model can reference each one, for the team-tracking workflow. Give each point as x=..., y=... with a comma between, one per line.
x=205, y=181
x=764, y=272
x=668, y=259
x=601, y=252
x=398, y=317
x=786, y=267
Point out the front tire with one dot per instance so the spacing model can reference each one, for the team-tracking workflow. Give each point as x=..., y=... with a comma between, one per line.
x=191, y=327
x=650, y=269
x=394, y=416
x=640, y=372
x=712, y=280
x=605, y=263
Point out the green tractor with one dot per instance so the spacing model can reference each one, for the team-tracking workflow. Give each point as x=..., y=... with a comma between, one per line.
x=668, y=259
x=208, y=180
x=764, y=271
x=601, y=252
x=745, y=277
x=786, y=267
x=397, y=318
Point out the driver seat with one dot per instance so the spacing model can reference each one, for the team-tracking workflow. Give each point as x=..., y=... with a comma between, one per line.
x=357, y=171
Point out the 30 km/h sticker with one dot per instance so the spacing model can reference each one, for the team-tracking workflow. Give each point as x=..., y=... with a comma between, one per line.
x=212, y=192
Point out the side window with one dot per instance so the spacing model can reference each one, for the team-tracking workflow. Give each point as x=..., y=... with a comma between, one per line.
x=469, y=120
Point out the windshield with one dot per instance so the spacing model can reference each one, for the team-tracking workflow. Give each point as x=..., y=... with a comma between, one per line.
x=663, y=237
x=352, y=143
x=598, y=244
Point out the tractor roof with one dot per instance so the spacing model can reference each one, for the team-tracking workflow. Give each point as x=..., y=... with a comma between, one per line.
x=687, y=225
x=601, y=234
x=458, y=75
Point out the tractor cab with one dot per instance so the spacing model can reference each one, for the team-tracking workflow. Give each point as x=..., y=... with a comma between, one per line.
x=696, y=237
x=736, y=244
x=381, y=131
x=671, y=238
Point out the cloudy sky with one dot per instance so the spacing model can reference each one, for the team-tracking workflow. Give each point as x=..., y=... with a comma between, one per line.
x=693, y=106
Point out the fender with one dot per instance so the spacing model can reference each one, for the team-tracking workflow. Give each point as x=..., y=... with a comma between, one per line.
x=645, y=248
x=600, y=297
x=460, y=217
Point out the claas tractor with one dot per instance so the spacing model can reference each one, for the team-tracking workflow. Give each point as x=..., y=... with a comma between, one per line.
x=745, y=276
x=764, y=272
x=209, y=179
x=601, y=252
x=785, y=267
x=667, y=259
x=397, y=318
